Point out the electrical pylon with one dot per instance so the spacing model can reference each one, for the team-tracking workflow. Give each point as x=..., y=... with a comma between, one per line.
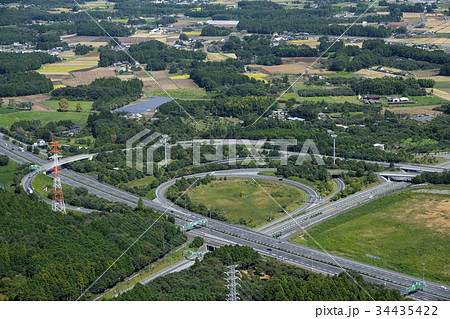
x=232, y=284
x=58, y=198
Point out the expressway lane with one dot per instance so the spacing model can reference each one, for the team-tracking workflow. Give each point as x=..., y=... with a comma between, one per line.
x=266, y=228
x=333, y=209
x=322, y=258
x=212, y=236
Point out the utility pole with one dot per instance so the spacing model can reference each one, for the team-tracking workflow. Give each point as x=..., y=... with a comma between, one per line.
x=423, y=274
x=334, y=148
x=232, y=284
x=165, y=150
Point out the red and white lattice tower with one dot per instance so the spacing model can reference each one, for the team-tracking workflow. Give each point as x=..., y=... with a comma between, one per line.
x=58, y=199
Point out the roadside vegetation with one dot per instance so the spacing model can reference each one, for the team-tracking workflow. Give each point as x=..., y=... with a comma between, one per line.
x=404, y=230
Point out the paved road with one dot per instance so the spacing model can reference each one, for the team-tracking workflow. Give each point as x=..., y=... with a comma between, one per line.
x=322, y=213
x=264, y=229
x=257, y=238
x=214, y=236
x=323, y=261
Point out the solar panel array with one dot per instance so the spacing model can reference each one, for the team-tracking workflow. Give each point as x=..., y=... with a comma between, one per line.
x=153, y=103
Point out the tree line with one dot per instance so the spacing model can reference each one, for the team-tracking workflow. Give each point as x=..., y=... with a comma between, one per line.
x=261, y=280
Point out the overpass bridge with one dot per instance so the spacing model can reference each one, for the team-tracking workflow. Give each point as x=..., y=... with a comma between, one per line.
x=397, y=176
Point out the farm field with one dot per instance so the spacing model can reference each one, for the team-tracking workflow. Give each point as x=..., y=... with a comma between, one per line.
x=6, y=120
x=257, y=76
x=88, y=76
x=411, y=229
x=442, y=93
x=71, y=63
x=187, y=94
x=163, y=79
x=35, y=99
x=215, y=57
x=241, y=200
x=86, y=105
x=413, y=110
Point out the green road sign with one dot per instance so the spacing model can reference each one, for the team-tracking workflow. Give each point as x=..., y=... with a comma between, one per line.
x=415, y=287
x=189, y=225
x=193, y=253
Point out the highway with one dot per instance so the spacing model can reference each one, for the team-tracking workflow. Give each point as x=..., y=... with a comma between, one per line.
x=323, y=262
x=340, y=186
x=322, y=213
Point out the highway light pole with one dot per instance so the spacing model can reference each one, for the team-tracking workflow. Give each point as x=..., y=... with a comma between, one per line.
x=423, y=274
x=334, y=148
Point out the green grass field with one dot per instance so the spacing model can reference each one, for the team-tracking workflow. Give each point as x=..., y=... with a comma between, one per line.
x=333, y=99
x=404, y=230
x=442, y=85
x=188, y=94
x=425, y=100
x=6, y=120
x=40, y=182
x=85, y=105
x=5, y=110
x=243, y=198
x=8, y=172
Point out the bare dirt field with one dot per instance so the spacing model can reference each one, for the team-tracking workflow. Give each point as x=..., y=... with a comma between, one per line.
x=185, y=84
x=434, y=214
x=36, y=100
x=86, y=77
x=308, y=60
x=427, y=73
x=98, y=41
x=162, y=77
x=413, y=110
x=294, y=68
x=442, y=93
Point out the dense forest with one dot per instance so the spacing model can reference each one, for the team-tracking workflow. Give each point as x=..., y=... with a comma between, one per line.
x=150, y=52
x=24, y=83
x=108, y=93
x=261, y=279
x=48, y=256
x=376, y=52
x=432, y=178
x=21, y=62
x=16, y=77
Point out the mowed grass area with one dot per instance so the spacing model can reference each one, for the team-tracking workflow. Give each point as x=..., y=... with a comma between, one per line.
x=80, y=118
x=242, y=198
x=404, y=230
x=187, y=94
x=8, y=172
x=85, y=105
x=42, y=181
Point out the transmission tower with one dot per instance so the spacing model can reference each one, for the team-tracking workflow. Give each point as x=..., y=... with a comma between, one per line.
x=58, y=199
x=232, y=284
